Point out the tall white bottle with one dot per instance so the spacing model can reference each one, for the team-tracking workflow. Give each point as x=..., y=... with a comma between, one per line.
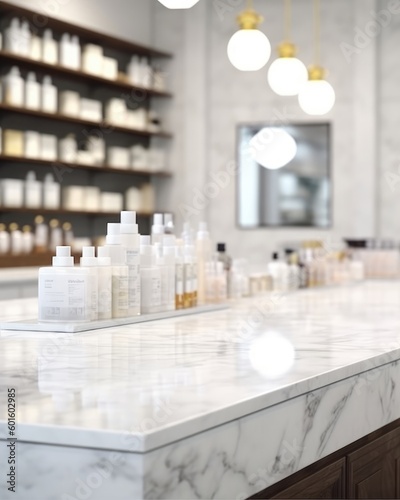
x=169, y=243
x=64, y=291
x=49, y=48
x=14, y=88
x=203, y=255
x=49, y=96
x=89, y=261
x=130, y=238
x=32, y=92
x=25, y=40
x=150, y=276
x=12, y=36
x=157, y=229
x=105, y=283
x=160, y=263
x=279, y=271
x=120, y=271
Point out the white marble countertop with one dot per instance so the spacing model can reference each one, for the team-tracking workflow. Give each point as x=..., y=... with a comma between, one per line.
x=164, y=381
x=18, y=275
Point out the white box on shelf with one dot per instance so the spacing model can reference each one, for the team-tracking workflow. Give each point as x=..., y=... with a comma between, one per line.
x=136, y=119
x=140, y=157
x=70, y=103
x=111, y=202
x=32, y=144
x=92, y=59
x=85, y=157
x=118, y=157
x=115, y=111
x=12, y=193
x=68, y=149
x=97, y=147
x=48, y=147
x=91, y=200
x=148, y=198
x=91, y=109
x=110, y=68
x=73, y=198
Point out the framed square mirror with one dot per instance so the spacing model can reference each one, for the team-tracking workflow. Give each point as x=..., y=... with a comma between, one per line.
x=284, y=177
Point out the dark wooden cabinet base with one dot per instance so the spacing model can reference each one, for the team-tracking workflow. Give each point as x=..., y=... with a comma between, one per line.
x=368, y=468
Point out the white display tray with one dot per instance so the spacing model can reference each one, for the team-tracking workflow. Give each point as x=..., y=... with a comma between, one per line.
x=34, y=326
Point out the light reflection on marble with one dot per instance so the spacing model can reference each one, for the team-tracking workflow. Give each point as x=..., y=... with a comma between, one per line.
x=167, y=380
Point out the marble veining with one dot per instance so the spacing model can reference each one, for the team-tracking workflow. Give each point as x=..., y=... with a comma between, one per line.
x=202, y=407
x=139, y=387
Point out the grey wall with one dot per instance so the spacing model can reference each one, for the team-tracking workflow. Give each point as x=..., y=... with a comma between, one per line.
x=212, y=97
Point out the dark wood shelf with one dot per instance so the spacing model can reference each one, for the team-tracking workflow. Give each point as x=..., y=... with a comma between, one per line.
x=37, y=20
x=29, y=260
x=77, y=75
x=62, y=211
x=78, y=166
x=79, y=121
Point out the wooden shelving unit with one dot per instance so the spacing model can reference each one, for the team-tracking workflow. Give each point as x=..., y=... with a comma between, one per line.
x=85, y=34
x=81, y=76
x=15, y=117
x=78, y=166
x=57, y=117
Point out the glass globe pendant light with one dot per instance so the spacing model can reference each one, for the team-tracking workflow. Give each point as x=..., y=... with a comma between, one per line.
x=272, y=147
x=287, y=74
x=178, y=4
x=249, y=49
x=317, y=96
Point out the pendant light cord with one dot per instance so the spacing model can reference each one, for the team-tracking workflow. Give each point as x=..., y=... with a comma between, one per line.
x=288, y=20
x=317, y=32
x=249, y=4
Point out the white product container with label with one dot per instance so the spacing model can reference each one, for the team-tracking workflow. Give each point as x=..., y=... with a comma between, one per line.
x=120, y=271
x=150, y=276
x=130, y=238
x=64, y=290
x=105, y=283
x=169, y=242
x=89, y=261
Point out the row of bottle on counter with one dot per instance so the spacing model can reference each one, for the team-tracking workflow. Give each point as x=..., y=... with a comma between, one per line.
x=312, y=266
x=67, y=52
x=47, y=194
x=136, y=274
x=40, y=238
x=91, y=151
x=33, y=95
